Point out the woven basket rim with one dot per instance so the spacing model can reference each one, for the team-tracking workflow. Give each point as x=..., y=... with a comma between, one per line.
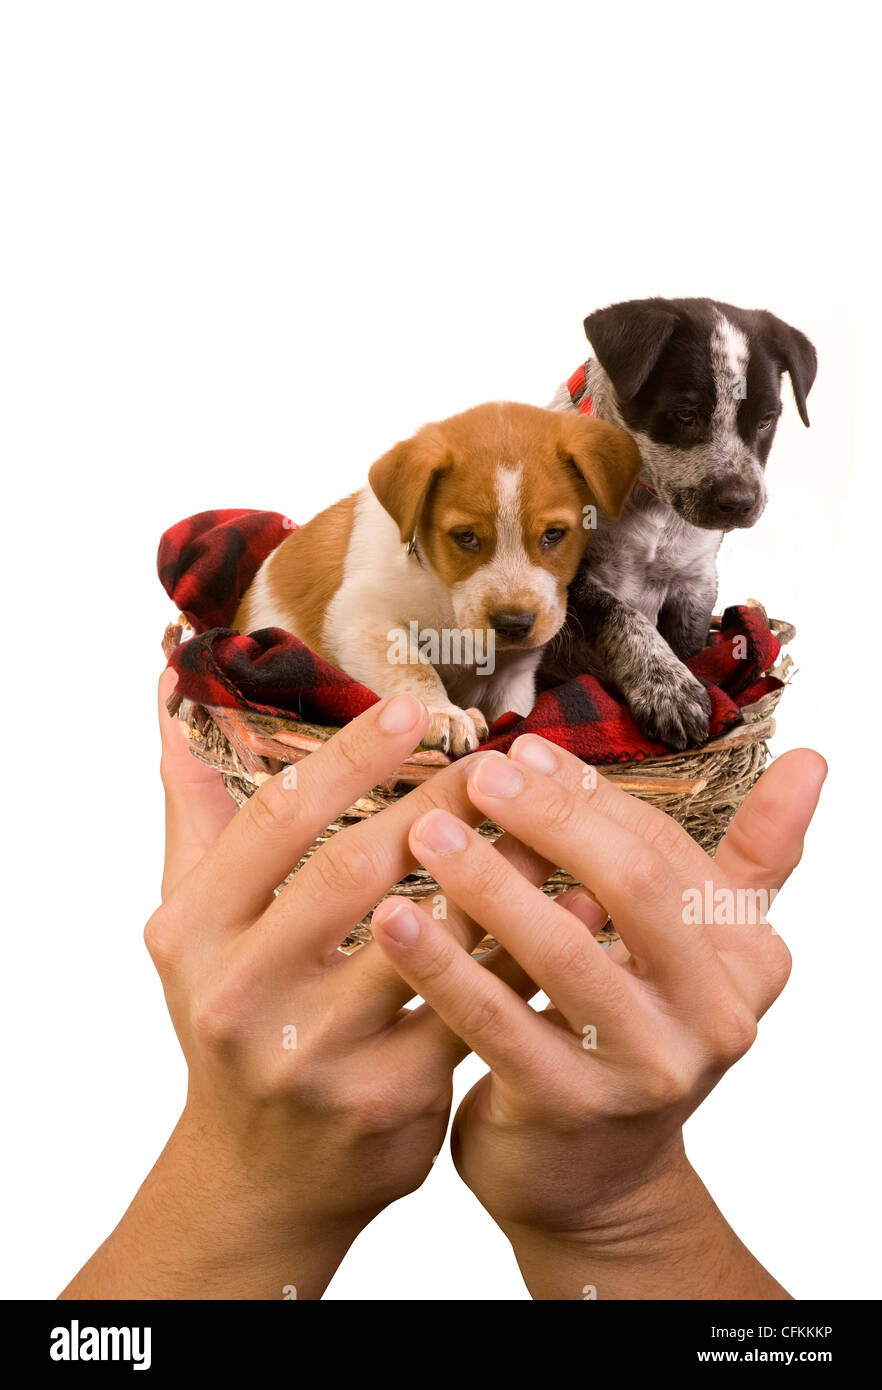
x=265, y=743
x=701, y=787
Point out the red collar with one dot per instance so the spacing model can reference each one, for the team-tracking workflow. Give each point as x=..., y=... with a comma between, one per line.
x=577, y=387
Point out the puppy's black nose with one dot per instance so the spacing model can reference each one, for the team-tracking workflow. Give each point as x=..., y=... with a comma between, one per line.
x=512, y=625
x=734, y=500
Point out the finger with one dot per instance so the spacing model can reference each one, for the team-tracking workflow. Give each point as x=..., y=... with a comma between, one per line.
x=237, y=877
x=550, y=944
x=764, y=841
x=423, y=1043
x=348, y=875
x=371, y=978
x=633, y=879
x=756, y=960
x=433, y=1035
x=197, y=804
x=589, y=912
x=621, y=807
x=369, y=986
x=483, y=1011
x=378, y=992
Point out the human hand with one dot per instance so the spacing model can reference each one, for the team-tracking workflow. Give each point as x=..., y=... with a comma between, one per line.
x=573, y=1141
x=314, y=1097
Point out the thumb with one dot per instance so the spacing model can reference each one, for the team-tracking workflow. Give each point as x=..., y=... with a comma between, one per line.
x=764, y=841
x=197, y=805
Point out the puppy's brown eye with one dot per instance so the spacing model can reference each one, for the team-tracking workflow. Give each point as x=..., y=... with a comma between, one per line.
x=466, y=540
x=552, y=537
x=766, y=423
x=685, y=417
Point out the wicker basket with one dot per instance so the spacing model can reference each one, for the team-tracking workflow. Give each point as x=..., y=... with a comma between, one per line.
x=702, y=788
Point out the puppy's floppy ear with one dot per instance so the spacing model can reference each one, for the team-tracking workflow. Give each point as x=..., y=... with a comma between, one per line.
x=628, y=339
x=607, y=458
x=402, y=479
x=796, y=355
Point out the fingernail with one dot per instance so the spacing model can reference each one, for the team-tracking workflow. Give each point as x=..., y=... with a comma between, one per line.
x=533, y=752
x=441, y=832
x=400, y=713
x=399, y=921
x=583, y=906
x=496, y=776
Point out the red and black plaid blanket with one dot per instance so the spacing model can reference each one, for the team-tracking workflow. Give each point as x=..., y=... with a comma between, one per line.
x=207, y=562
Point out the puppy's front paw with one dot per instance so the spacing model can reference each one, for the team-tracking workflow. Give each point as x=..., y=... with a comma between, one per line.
x=455, y=730
x=671, y=705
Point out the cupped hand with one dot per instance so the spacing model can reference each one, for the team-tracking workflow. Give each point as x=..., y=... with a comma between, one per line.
x=573, y=1140
x=314, y=1097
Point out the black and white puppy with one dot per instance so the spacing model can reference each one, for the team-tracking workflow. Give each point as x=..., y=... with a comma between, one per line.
x=697, y=384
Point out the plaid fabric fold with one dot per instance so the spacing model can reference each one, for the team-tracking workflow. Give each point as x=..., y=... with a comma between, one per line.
x=207, y=562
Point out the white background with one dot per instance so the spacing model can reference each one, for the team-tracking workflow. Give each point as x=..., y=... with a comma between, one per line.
x=246, y=247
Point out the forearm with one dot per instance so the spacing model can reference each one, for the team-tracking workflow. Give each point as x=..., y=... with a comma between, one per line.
x=667, y=1240
x=195, y=1231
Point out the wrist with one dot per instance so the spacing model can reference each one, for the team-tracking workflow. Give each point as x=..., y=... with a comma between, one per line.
x=662, y=1238
x=199, y=1228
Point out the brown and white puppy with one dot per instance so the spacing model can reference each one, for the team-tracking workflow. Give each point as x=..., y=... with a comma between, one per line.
x=449, y=573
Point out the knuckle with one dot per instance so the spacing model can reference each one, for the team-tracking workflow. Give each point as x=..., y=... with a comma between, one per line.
x=778, y=964
x=160, y=940
x=350, y=749
x=783, y=959
x=666, y=1084
x=436, y=959
x=213, y=1022
x=379, y=1113
x=558, y=810
x=314, y=1089
x=345, y=863
x=285, y=1079
x=482, y=1016
x=643, y=872
x=270, y=808
x=563, y=953
x=487, y=875
x=368, y=1108
x=446, y=791
x=734, y=1032
x=662, y=833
